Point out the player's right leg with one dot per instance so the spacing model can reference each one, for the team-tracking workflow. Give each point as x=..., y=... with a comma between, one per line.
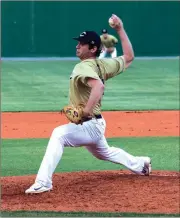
x=114, y=53
x=139, y=165
x=103, y=54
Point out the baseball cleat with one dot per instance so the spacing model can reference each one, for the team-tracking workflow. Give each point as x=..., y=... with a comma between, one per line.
x=37, y=188
x=147, y=166
x=146, y=169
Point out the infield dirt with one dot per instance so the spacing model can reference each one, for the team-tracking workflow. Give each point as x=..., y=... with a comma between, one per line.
x=103, y=191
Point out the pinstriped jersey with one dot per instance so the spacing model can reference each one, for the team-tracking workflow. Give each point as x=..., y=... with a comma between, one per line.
x=100, y=69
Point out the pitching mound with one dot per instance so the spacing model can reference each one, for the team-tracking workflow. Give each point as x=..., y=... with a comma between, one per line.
x=103, y=191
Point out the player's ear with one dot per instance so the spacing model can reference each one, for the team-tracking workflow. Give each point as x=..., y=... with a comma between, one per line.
x=94, y=50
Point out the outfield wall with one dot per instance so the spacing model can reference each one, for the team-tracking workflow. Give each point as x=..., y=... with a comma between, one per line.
x=45, y=29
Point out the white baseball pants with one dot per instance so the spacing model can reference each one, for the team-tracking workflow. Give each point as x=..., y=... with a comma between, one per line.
x=90, y=135
x=104, y=53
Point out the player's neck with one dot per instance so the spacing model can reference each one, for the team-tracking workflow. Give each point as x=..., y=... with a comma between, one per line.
x=86, y=58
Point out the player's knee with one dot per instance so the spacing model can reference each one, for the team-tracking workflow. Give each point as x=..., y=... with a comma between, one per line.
x=100, y=156
x=57, y=132
x=106, y=154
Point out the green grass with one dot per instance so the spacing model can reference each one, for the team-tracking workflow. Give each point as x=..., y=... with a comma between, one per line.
x=23, y=156
x=80, y=214
x=43, y=86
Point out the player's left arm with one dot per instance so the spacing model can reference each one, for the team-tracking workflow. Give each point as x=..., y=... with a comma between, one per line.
x=97, y=90
x=90, y=78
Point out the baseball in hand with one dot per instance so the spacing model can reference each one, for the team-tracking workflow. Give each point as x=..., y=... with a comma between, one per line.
x=115, y=22
x=111, y=22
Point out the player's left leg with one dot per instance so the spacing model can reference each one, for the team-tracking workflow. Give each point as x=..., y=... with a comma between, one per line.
x=114, y=53
x=66, y=135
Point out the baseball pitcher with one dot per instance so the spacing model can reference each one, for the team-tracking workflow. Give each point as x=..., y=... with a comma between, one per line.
x=87, y=125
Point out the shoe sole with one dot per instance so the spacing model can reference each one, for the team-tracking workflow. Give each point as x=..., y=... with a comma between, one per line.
x=38, y=191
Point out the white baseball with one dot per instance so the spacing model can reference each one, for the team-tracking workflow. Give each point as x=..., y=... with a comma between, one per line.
x=111, y=23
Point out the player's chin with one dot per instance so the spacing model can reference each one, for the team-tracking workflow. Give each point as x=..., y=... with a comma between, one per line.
x=77, y=54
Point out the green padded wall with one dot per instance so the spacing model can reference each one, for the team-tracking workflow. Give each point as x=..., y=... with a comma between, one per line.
x=37, y=28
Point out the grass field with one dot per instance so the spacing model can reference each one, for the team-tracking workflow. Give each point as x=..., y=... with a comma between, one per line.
x=15, y=153
x=43, y=86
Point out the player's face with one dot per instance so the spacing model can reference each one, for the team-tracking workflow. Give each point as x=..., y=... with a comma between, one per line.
x=83, y=51
x=105, y=35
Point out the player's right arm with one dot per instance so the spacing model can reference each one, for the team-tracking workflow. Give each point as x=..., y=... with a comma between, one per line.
x=127, y=48
x=102, y=41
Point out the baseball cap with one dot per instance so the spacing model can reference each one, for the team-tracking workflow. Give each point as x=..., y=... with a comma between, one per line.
x=89, y=37
x=104, y=31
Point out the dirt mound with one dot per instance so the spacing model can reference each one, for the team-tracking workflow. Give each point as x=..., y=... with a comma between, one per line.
x=103, y=191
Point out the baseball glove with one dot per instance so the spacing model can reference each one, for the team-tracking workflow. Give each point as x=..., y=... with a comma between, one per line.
x=73, y=114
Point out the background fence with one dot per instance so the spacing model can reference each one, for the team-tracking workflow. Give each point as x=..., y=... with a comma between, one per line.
x=37, y=28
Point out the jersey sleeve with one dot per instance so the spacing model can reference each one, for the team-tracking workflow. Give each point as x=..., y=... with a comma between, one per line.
x=84, y=71
x=115, y=39
x=114, y=66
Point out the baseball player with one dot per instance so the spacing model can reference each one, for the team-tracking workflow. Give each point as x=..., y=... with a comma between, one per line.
x=108, y=42
x=87, y=83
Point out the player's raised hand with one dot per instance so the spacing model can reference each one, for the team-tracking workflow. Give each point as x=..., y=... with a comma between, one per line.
x=115, y=22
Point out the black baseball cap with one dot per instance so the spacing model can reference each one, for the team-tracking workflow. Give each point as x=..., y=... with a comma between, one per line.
x=104, y=31
x=89, y=37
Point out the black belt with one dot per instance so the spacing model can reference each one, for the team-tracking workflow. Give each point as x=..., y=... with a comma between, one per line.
x=97, y=116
